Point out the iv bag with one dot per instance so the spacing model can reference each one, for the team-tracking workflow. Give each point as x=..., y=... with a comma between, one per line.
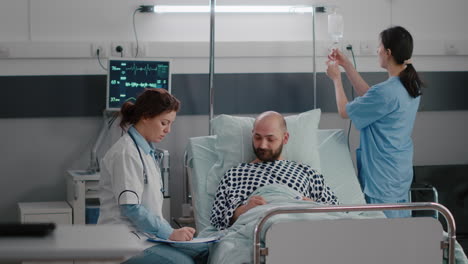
x=335, y=26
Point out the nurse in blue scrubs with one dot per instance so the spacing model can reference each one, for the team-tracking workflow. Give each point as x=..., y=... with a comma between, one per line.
x=385, y=115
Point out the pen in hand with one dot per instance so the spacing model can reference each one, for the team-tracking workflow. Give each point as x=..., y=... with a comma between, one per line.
x=177, y=223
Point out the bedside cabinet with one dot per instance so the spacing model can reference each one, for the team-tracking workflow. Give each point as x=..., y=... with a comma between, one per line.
x=45, y=212
x=40, y=212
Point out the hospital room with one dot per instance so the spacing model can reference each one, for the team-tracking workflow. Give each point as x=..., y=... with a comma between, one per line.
x=234, y=131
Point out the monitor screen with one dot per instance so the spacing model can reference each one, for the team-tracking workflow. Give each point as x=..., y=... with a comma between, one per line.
x=127, y=78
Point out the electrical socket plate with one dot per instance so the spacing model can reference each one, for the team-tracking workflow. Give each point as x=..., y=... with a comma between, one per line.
x=367, y=48
x=126, y=49
x=451, y=48
x=354, y=44
x=101, y=47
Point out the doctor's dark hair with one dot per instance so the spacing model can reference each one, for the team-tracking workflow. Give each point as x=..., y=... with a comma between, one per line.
x=152, y=102
x=400, y=42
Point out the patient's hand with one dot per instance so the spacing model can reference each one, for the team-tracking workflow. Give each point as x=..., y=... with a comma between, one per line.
x=182, y=234
x=253, y=201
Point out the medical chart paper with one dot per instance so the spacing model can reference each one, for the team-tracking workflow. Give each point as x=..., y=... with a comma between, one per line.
x=193, y=241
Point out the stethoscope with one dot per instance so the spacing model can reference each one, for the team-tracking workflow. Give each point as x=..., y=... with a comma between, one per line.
x=145, y=173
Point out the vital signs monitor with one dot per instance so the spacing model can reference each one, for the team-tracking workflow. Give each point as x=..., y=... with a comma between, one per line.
x=127, y=78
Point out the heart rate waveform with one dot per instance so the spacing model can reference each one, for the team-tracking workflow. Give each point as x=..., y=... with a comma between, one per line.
x=147, y=69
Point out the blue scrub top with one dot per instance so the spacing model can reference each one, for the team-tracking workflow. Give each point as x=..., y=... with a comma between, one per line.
x=385, y=116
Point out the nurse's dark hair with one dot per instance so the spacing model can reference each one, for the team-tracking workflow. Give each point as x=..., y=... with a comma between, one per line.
x=400, y=42
x=150, y=103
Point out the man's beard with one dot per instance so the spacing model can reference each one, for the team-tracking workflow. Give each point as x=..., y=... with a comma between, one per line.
x=267, y=155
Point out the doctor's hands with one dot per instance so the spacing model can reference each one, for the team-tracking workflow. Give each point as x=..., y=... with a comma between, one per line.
x=182, y=234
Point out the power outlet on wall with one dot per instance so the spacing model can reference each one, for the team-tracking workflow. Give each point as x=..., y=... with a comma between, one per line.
x=98, y=46
x=352, y=44
x=120, y=49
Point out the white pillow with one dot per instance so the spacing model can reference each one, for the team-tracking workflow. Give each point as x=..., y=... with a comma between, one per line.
x=234, y=143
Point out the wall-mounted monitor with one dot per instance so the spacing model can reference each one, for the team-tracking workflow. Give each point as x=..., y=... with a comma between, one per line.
x=127, y=78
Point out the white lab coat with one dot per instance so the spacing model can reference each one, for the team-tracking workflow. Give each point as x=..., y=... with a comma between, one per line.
x=122, y=182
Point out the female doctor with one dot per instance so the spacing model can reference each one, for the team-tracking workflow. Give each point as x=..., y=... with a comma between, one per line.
x=131, y=184
x=385, y=115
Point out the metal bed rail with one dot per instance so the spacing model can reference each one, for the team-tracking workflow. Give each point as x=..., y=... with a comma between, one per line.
x=449, y=243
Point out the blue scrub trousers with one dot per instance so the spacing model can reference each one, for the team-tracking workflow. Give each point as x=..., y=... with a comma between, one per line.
x=391, y=213
x=165, y=254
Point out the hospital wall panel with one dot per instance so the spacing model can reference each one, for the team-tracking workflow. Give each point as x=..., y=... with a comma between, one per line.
x=242, y=93
x=422, y=17
x=55, y=20
x=49, y=21
x=117, y=19
x=427, y=18
x=35, y=155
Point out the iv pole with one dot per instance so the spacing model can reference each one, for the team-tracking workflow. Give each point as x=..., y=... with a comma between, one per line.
x=212, y=65
x=314, y=48
x=315, y=10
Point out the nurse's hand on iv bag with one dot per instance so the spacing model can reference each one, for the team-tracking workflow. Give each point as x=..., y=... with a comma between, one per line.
x=182, y=234
x=339, y=58
x=333, y=71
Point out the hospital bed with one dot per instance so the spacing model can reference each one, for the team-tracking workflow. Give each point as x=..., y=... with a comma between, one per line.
x=359, y=233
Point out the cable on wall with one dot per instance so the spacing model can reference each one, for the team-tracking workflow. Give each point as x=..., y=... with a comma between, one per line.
x=135, y=32
x=141, y=9
x=350, y=48
x=99, y=60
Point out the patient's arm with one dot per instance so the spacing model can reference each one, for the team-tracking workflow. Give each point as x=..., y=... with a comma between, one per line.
x=321, y=193
x=253, y=201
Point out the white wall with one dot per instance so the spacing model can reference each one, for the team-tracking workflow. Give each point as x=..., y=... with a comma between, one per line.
x=54, y=37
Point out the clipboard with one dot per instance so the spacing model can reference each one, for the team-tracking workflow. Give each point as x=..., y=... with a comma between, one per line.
x=196, y=240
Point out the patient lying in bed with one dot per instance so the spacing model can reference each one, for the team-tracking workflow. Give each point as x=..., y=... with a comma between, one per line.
x=233, y=197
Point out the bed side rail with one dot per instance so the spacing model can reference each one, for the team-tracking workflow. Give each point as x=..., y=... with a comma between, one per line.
x=449, y=243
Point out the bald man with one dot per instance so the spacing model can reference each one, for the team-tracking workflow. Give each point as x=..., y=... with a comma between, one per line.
x=269, y=135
